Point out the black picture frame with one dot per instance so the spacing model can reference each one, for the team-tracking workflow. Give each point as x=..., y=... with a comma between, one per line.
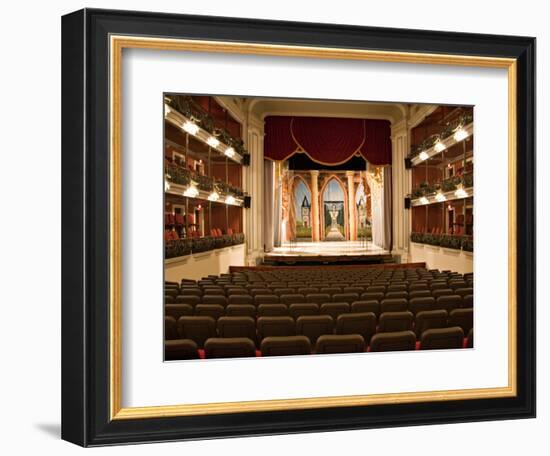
x=85, y=227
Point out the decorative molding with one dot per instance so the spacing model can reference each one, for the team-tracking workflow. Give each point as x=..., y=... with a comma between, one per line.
x=419, y=116
x=235, y=110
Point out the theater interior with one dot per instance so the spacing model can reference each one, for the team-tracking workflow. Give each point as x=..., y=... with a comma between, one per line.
x=309, y=227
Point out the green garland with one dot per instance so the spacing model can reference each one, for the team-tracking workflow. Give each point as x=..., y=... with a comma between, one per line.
x=447, y=131
x=178, y=248
x=448, y=241
x=186, y=246
x=446, y=185
x=179, y=175
x=186, y=106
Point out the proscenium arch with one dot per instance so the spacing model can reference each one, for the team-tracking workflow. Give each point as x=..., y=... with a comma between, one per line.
x=322, y=205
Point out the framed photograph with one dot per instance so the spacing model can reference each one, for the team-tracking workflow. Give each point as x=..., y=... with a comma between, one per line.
x=271, y=227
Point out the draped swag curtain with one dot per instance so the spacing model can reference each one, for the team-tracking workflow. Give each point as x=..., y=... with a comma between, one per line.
x=328, y=140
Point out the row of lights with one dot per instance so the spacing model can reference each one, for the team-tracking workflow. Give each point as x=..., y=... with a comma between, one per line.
x=192, y=192
x=193, y=129
x=439, y=146
x=440, y=197
x=214, y=196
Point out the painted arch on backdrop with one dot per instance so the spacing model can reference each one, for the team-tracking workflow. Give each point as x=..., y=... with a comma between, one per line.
x=302, y=209
x=334, y=210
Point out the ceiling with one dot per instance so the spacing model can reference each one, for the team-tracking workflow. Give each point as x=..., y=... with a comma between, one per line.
x=262, y=107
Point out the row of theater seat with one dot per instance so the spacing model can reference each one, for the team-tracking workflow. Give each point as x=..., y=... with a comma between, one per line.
x=302, y=288
x=415, y=305
x=347, y=275
x=390, y=291
x=366, y=324
x=351, y=275
x=338, y=278
x=240, y=347
x=317, y=298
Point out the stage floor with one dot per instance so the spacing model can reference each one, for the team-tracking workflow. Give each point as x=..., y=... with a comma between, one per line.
x=327, y=249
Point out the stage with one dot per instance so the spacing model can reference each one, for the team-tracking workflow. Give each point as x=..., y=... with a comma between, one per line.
x=311, y=253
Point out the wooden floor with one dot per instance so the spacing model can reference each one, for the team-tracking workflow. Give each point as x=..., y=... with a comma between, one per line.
x=327, y=266
x=323, y=253
x=343, y=248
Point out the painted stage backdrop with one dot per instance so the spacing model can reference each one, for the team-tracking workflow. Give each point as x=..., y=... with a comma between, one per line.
x=333, y=204
x=302, y=202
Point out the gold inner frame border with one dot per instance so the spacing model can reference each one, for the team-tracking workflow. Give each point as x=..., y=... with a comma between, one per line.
x=116, y=46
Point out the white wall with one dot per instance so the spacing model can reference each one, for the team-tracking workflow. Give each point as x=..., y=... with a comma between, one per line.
x=30, y=388
x=198, y=265
x=441, y=258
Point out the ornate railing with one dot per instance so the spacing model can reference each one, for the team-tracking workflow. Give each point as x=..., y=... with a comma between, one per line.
x=449, y=129
x=183, y=247
x=180, y=175
x=449, y=241
x=186, y=106
x=446, y=185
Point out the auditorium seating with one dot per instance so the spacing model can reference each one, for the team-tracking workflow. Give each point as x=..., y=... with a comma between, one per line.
x=442, y=338
x=291, y=345
x=302, y=311
x=170, y=328
x=334, y=309
x=240, y=310
x=209, y=310
x=180, y=349
x=393, y=341
x=275, y=326
x=417, y=305
x=450, y=302
x=236, y=347
x=366, y=306
x=198, y=329
x=331, y=343
x=463, y=318
x=430, y=319
x=237, y=327
x=363, y=324
x=314, y=326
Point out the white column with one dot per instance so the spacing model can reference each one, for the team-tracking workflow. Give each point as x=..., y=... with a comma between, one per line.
x=255, y=181
x=401, y=188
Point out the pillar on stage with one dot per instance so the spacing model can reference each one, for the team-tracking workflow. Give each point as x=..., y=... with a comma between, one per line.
x=315, y=237
x=286, y=218
x=351, y=206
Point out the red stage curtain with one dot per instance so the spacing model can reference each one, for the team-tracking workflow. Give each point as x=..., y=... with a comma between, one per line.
x=278, y=141
x=327, y=140
x=377, y=146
